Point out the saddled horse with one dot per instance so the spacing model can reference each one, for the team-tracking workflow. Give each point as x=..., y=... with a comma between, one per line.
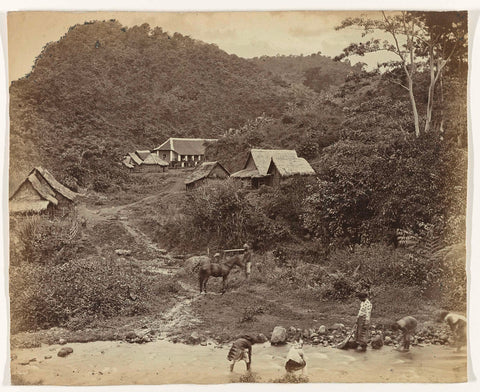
x=217, y=270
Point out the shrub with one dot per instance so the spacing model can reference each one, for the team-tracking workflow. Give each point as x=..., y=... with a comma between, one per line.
x=47, y=295
x=39, y=240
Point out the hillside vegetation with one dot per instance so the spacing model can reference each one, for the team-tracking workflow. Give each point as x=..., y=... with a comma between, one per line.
x=104, y=90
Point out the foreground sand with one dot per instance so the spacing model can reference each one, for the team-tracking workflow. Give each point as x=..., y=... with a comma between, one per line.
x=162, y=362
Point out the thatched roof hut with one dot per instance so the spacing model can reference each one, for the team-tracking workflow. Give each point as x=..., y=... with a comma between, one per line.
x=144, y=161
x=287, y=166
x=153, y=159
x=39, y=191
x=270, y=166
x=258, y=162
x=282, y=167
x=143, y=154
x=207, y=170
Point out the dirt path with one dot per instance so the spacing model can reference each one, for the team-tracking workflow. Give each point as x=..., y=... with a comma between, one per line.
x=180, y=314
x=161, y=362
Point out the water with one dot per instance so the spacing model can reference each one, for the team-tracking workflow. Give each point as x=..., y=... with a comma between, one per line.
x=162, y=362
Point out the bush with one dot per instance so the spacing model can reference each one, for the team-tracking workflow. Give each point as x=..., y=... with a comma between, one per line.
x=47, y=295
x=220, y=215
x=39, y=240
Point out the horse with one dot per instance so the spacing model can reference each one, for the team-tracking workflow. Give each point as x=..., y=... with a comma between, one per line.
x=217, y=270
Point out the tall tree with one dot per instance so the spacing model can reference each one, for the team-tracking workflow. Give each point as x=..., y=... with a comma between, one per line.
x=443, y=38
x=419, y=40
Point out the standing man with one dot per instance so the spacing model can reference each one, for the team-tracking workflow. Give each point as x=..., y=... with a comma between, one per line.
x=407, y=325
x=363, y=321
x=247, y=258
x=458, y=325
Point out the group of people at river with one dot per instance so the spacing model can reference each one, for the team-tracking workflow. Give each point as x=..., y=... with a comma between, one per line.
x=358, y=337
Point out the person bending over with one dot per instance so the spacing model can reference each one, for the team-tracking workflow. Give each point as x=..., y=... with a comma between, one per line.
x=407, y=325
x=458, y=325
x=241, y=350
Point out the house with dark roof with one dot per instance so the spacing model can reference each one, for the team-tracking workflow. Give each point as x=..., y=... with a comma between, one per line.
x=40, y=192
x=206, y=171
x=183, y=152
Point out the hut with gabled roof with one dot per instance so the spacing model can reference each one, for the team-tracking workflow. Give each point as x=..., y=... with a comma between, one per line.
x=153, y=164
x=40, y=192
x=206, y=171
x=144, y=162
x=284, y=166
x=255, y=170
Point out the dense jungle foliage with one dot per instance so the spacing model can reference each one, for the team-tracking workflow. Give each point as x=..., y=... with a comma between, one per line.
x=104, y=90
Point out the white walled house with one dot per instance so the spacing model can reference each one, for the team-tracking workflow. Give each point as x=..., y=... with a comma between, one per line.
x=183, y=152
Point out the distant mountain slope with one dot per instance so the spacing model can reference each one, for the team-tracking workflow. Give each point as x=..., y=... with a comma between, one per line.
x=105, y=89
x=315, y=71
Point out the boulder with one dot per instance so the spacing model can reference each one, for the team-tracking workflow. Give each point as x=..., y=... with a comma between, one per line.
x=337, y=326
x=387, y=341
x=279, y=336
x=123, y=252
x=292, y=331
x=261, y=338
x=377, y=342
x=131, y=336
x=194, y=338
x=322, y=330
x=64, y=351
x=62, y=341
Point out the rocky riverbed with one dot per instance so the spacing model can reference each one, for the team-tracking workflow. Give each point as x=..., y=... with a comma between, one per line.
x=164, y=362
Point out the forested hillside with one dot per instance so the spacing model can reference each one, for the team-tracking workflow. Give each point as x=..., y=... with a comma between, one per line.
x=315, y=71
x=389, y=148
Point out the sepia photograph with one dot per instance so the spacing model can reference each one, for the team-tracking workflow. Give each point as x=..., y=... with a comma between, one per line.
x=221, y=197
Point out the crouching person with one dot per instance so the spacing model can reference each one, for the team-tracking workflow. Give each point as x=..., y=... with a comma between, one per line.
x=458, y=326
x=407, y=325
x=295, y=358
x=241, y=351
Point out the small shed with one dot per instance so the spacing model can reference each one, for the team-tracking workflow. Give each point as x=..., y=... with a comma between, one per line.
x=144, y=162
x=206, y=171
x=282, y=167
x=40, y=192
x=152, y=164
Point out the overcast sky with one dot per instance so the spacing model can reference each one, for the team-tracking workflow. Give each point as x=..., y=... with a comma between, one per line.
x=246, y=34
